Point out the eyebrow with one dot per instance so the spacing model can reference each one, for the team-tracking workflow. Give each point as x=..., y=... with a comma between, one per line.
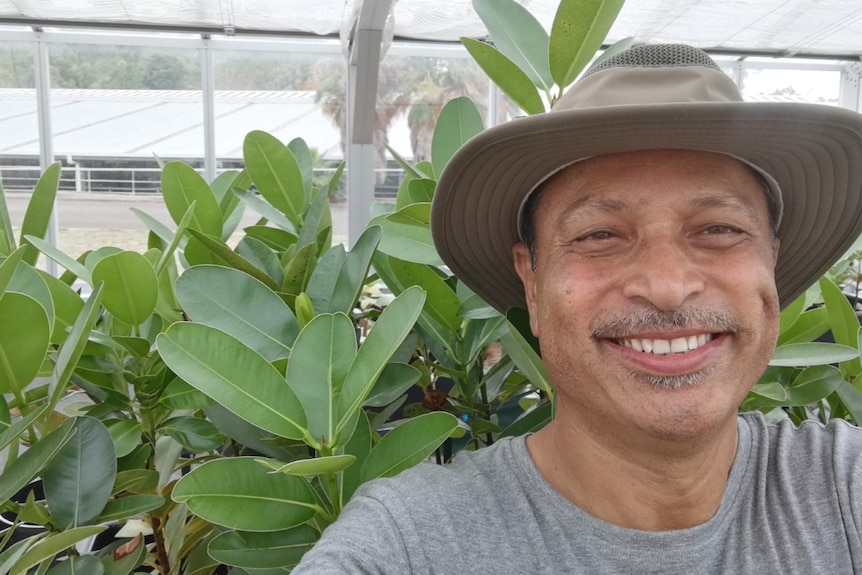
x=732, y=202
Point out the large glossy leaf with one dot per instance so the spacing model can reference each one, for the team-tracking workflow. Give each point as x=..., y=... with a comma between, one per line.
x=67, y=306
x=842, y=321
x=852, y=400
x=7, y=235
x=382, y=342
x=813, y=384
x=240, y=305
x=12, y=431
x=28, y=281
x=220, y=252
x=523, y=354
x=53, y=545
x=579, y=28
x=811, y=353
x=808, y=326
x=241, y=494
x=9, y=266
x=78, y=481
x=265, y=209
x=530, y=421
x=234, y=375
x=262, y=257
x=131, y=286
x=459, y=121
x=407, y=235
x=263, y=550
x=336, y=283
x=125, y=434
x=408, y=444
x=130, y=506
x=22, y=351
x=182, y=186
x=395, y=380
x=79, y=565
x=229, y=205
x=299, y=270
x=517, y=34
x=72, y=349
x=39, y=209
x=513, y=81
x=359, y=446
x=21, y=471
x=276, y=173
x=305, y=162
x=318, y=365
x=195, y=434
x=77, y=268
x=310, y=467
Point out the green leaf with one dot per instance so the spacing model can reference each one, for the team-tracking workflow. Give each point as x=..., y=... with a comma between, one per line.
x=131, y=286
x=810, y=325
x=276, y=238
x=524, y=356
x=27, y=281
x=234, y=375
x=240, y=305
x=168, y=255
x=772, y=391
x=336, y=283
x=67, y=306
x=458, y=122
x=813, y=384
x=409, y=169
x=79, y=479
x=614, y=49
x=130, y=506
x=276, y=173
x=21, y=471
x=852, y=400
x=513, y=81
x=136, y=480
x=318, y=214
x=52, y=545
x=79, y=565
x=395, y=380
x=842, y=320
x=579, y=28
x=320, y=361
x=532, y=420
x=39, y=209
x=382, y=342
x=125, y=434
x=68, y=262
x=12, y=431
x=811, y=353
x=195, y=434
x=299, y=270
x=408, y=444
x=22, y=351
x=305, y=162
x=265, y=209
x=517, y=34
x=180, y=395
x=419, y=191
x=262, y=257
x=239, y=493
x=7, y=235
x=309, y=467
x=263, y=550
x=232, y=259
x=72, y=349
x=183, y=187
x=407, y=235
x=9, y=266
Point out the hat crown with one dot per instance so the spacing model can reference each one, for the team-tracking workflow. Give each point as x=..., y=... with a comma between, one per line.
x=651, y=74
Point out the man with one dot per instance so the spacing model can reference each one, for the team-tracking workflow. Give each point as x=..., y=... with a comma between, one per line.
x=653, y=225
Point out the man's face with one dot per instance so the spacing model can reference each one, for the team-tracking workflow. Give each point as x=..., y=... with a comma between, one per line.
x=653, y=295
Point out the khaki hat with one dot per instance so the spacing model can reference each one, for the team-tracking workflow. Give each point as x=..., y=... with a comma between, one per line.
x=655, y=97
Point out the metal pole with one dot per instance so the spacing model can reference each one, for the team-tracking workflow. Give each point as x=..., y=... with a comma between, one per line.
x=46, y=143
x=208, y=89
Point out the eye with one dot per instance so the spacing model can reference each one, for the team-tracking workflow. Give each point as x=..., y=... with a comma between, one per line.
x=597, y=235
x=720, y=229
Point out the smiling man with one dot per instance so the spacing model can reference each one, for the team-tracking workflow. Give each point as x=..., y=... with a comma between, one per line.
x=653, y=225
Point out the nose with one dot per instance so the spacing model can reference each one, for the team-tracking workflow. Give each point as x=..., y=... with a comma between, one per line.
x=663, y=274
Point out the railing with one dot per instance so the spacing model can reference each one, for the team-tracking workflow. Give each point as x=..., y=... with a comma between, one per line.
x=137, y=180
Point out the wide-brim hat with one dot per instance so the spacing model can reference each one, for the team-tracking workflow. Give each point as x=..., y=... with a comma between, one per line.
x=655, y=97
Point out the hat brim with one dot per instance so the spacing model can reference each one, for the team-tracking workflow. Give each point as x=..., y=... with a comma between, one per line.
x=813, y=151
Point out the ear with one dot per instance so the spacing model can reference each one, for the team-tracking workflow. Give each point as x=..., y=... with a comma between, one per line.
x=776, y=244
x=524, y=269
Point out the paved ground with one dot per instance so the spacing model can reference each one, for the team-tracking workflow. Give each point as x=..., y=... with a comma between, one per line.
x=89, y=220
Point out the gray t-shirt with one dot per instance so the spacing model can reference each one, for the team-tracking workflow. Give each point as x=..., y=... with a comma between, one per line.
x=793, y=504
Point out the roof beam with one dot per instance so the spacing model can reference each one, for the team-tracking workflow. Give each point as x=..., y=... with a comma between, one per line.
x=364, y=61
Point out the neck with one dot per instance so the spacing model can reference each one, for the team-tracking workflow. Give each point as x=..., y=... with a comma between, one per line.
x=646, y=484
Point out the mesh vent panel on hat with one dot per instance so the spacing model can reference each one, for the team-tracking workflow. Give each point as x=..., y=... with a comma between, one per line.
x=656, y=56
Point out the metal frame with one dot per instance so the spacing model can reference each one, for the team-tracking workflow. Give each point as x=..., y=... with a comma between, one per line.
x=366, y=44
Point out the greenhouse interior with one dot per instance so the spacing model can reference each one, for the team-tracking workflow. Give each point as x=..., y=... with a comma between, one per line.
x=111, y=88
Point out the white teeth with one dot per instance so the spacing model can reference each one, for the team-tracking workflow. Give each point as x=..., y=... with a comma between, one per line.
x=666, y=346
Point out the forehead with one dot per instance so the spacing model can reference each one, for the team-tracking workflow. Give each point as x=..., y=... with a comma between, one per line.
x=700, y=178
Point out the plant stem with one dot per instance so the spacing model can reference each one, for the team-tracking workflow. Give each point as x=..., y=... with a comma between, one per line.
x=161, y=550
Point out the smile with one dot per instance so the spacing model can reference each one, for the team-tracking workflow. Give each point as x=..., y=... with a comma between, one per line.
x=666, y=346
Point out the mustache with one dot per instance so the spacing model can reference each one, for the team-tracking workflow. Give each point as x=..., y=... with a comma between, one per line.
x=710, y=320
